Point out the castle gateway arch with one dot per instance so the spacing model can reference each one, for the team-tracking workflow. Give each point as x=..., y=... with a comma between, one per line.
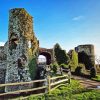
x=48, y=53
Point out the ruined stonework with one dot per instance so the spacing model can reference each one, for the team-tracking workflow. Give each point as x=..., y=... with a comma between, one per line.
x=88, y=51
x=3, y=65
x=22, y=46
x=48, y=53
x=2, y=54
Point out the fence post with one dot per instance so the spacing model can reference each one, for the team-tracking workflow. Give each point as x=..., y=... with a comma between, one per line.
x=49, y=84
x=69, y=76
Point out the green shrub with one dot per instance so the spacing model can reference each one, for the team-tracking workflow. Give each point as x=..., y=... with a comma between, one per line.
x=93, y=72
x=61, y=55
x=33, y=68
x=78, y=70
x=73, y=60
x=54, y=67
x=64, y=65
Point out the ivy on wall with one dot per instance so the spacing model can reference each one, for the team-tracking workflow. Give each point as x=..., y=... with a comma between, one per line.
x=33, y=68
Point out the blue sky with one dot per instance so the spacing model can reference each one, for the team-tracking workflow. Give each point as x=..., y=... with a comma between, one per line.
x=67, y=22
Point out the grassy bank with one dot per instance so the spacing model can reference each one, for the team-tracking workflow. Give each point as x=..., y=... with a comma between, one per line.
x=73, y=91
x=97, y=78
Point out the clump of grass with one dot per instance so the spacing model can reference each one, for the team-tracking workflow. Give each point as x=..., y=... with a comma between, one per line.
x=97, y=78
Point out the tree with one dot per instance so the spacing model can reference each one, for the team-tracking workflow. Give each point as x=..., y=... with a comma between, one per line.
x=73, y=59
x=92, y=72
x=61, y=56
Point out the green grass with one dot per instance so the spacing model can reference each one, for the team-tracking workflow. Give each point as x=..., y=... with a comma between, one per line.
x=97, y=78
x=73, y=91
x=89, y=95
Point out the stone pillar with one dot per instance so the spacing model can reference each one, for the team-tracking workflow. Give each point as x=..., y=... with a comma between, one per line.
x=20, y=47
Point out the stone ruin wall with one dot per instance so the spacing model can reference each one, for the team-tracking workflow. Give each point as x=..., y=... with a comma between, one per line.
x=2, y=54
x=89, y=50
x=3, y=63
x=22, y=46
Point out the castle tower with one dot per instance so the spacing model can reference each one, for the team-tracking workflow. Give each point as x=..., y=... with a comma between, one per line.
x=86, y=55
x=22, y=45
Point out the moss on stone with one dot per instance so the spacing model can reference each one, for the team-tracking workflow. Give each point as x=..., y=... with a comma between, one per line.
x=32, y=68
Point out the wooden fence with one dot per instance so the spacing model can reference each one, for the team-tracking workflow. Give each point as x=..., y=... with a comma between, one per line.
x=49, y=85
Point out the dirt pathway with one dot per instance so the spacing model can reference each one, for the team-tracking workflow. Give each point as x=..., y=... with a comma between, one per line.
x=87, y=83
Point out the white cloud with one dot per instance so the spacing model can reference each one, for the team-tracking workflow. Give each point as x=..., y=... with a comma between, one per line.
x=2, y=43
x=77, y=18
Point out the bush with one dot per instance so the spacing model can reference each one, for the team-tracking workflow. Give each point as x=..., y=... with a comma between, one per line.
x=93, y=72
x=80, y=69
x=73, y=60
x=61, y=55
x=64, y=66
x=54, y=67
x=33, y=68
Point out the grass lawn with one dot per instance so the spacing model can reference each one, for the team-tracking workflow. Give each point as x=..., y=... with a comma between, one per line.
x=73, y=91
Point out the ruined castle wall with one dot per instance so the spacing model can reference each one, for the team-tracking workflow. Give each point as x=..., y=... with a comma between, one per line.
x=3, y=66
x=89, y=50
x=22, y=45
x=2, y=54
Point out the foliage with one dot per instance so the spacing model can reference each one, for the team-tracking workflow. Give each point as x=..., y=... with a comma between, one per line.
x=64, y=65
x=93, y=72
x=54, y=67
x=74, y=60
x=60, y=55
x=81, y=65
x=32, y=67
x=97, y=78
x=80, y=69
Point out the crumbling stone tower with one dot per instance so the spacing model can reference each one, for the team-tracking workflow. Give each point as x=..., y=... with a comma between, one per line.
x=86, y=55
x=22, y=46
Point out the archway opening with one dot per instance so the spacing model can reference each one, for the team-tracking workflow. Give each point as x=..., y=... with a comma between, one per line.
x=47, y=56
x=42, y=59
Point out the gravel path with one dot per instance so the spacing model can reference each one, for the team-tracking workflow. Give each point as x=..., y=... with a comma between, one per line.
x=87, y=83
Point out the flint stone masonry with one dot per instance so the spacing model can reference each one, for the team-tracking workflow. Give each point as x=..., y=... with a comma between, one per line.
x=89, y=50
x=2, y=75
x=3, y=66
x=22, y=45
x=2, y=54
